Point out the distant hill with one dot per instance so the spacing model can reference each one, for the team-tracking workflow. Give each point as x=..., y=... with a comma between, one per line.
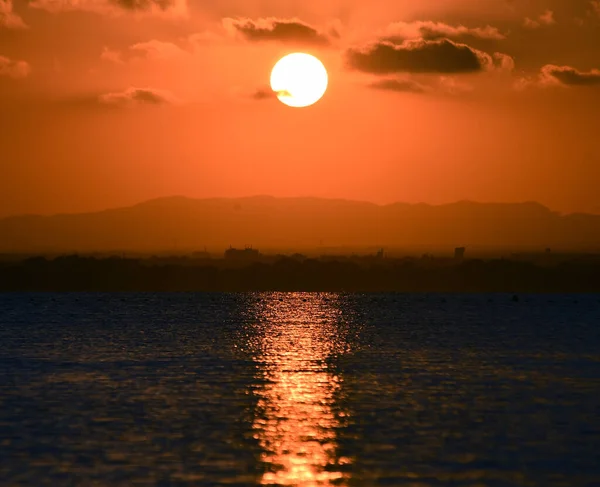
x=298, y=223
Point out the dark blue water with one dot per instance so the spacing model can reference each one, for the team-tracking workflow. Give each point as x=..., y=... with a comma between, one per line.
x=299, y=389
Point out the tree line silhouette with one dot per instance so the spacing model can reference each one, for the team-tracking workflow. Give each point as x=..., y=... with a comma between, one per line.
x=298, y=273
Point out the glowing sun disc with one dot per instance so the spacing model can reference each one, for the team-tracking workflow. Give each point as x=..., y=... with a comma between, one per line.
x=299, y=79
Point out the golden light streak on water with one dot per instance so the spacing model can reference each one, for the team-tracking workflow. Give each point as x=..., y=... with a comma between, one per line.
x=296, y=418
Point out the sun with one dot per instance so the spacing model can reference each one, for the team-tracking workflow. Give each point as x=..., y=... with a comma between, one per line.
x=299, y=79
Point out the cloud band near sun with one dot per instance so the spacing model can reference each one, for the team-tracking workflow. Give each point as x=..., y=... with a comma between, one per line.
x=287, y=31
x=419, y=56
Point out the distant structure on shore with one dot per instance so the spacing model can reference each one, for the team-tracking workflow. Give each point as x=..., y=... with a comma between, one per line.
x=248, y=254
x=459, y=253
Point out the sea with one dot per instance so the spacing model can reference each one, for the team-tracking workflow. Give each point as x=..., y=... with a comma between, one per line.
x=295, y=389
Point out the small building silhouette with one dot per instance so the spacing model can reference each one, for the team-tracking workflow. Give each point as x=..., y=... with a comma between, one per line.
x=380, y=254
x=459, y=253
x=248, y=254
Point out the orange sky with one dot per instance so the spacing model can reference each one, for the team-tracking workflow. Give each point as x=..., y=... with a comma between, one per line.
x=106, y=103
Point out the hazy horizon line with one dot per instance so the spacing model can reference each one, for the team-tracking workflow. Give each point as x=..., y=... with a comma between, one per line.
x=300, y=197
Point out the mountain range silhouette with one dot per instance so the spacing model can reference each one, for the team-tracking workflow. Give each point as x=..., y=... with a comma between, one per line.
x=294, y=223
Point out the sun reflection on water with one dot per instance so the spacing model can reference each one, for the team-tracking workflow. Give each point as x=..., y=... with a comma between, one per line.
x=297, y=418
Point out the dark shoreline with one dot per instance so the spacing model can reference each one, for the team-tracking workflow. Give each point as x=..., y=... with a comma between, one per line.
x=87, y=274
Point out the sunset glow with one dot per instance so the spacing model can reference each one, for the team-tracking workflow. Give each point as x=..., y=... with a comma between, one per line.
x=300, y=243
x=416, y=102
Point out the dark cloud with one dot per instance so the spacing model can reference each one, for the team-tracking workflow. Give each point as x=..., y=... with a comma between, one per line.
x=279, y=30
x=268, y=94
x=144, y=5
x=566, y=75
x=419, y=56
x=264, y=94
x=552, y=75
x=133, y=96
x=177, y=7
x=399, y=85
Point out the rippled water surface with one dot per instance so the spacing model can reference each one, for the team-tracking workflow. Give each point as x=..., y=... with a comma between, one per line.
x=299, y=389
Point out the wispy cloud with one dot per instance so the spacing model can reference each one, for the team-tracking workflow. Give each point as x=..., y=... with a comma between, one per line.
x=113, y=7
x=544, y=20
x=441, y=85
x=137, y=96
x=14, y=69
x=437, y=30
x=155, y=49
x=8, y=18
x=111, y=55
x=399, y=85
